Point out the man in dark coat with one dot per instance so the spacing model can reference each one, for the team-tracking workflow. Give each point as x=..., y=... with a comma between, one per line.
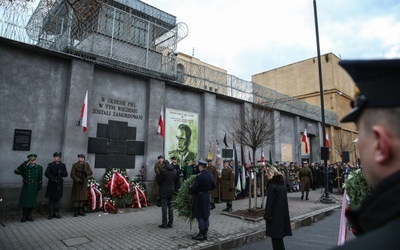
x=168, y=182
x=203, y=183
x=276, y=214
x=79, y=173
x=32, y=183
x=55, y=172
x=376, y=112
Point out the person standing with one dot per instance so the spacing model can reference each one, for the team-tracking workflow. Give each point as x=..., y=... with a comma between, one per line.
x=55, y=172
x=306, y=178
x=376, y=113
x=203, y=183
x=276, y=215
x=213, y=171
x=32, y=183
x=175, y=165
x=227, y=186
x=157, y=169
x=168, y=182
x=187, y=170
x=79, y=173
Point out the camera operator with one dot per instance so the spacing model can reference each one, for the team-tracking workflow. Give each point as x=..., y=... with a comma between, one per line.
x=79, y=173
x=55, y=172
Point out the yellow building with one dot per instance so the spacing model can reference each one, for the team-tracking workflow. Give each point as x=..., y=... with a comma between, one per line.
x=301, y=80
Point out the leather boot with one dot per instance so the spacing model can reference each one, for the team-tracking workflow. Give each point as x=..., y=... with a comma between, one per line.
x=205, y=230
x=56, y=214
x=81, y=211
x=29, y=215
x=158, y=203
x=76, y=212
x=212, y=206
x=51, y=212
x=229, y=208
x=199, y=236
x=24, y=214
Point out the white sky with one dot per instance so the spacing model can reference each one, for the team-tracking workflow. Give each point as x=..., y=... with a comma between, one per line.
x=247, y=37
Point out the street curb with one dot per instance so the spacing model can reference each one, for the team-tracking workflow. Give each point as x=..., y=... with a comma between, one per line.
x=296, y=222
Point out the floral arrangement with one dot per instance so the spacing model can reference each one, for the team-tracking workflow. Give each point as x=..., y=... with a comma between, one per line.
x=139, y=197
x=357, y=189
x=117, y=187
x=94, y=200
x=183, y=200
x=109, y=206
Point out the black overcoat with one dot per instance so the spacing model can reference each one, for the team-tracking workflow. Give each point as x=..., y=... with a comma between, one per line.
x=203, y=183
x=277, y=209
x=168, y=181
x=55, y=172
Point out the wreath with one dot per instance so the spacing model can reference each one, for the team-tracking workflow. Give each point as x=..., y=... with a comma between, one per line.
x=109, y=206
x=116, y=185
x=357, y=189
x=183, y=200
x=139, y=197
x=94, y=200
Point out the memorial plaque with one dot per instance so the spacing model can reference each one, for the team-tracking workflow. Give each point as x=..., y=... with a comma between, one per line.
x=22, y=139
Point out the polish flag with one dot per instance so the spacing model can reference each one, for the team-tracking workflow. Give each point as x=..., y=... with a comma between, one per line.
x=327, y=143
x=262, y=157
x=84, y=113
x=160, y=129
x=304, y=139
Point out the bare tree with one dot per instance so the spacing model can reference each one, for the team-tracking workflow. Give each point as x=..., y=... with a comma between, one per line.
x=343, y=142
x=255, y=128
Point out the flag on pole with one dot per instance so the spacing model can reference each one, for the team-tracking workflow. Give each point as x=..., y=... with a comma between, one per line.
x=270, y=158
x=160, y=129
x=236, y=169
x=226, y=144
x=262, y=157
x=84, y=113
x=327, y=143
x=305, y=140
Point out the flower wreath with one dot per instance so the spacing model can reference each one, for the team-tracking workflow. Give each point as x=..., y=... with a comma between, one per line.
x=116, y=185
x=357, y=189
x=109, y=206
x=183, y=201
x=94, y=195
x=139, y=198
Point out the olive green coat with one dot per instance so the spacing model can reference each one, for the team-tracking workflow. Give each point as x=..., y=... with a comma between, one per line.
x=32, y=183
x=80, y=181
x=306, y=178
x=227, y=184
x=157, y=169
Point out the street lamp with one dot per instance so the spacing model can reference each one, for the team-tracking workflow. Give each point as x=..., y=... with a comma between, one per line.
x=326, y=198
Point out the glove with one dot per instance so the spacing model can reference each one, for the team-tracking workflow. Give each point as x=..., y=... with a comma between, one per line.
x=267, y=219
x=24, y=182
x=80, y=182
x=56, y=181
x=230, y=189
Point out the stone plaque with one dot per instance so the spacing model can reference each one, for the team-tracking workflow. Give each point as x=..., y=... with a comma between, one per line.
x=22, y=139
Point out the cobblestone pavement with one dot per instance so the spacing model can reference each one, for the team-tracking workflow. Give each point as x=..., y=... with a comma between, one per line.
x=138, y=228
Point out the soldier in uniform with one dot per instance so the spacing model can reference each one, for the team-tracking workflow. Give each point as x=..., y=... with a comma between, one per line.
x=227, y=186
x=203, y=183
x=213, y=171
x=157, y=169
x=32, y=183
x=55, y=172
x=79, y=173
x=306, y=178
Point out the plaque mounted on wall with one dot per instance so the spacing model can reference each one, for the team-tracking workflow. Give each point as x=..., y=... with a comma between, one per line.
x=22, y=139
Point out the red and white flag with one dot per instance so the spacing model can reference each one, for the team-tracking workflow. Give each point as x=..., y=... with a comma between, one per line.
x=262, y=158
x=327, y=143
x=160, y=128
x=305, y=140
x=84, y=113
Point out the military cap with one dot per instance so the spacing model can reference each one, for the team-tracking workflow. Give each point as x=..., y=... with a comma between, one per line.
x=81, y=155
x=201, y=162
x=227, y=160
x=57, y=154
x=173, y=158
x=209, y=160
x=160, y=157
x=32, y=156
x=377, y=84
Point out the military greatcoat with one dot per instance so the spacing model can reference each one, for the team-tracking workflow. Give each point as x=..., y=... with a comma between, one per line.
x=79, y=186
x=55, y=173
x=227, y=184
x=157, y=169
x=32, y=183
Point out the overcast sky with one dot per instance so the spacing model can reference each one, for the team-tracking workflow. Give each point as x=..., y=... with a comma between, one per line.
x=246, y=37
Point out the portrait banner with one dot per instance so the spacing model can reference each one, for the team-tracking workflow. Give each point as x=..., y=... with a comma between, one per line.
x=181, y=135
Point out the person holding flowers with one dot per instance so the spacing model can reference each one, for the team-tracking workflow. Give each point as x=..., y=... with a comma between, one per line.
x=376, y=112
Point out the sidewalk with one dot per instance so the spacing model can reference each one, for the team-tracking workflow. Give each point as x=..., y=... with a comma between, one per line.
x=138, y=228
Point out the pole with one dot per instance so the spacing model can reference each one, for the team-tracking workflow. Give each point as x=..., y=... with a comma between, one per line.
x=326, y=198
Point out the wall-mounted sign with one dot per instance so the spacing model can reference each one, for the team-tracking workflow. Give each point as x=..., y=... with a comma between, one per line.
x=22, y=139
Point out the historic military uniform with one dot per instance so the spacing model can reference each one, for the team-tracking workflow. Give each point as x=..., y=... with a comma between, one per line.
x=215, y=193
x=32, y=182
x=157, y=170
x=227, y=186
x=79, y=173
x=306, y=178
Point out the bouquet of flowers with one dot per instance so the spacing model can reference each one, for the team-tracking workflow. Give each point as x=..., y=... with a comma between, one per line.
x=357, y=189
x=138, y=194
x=94, y=196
